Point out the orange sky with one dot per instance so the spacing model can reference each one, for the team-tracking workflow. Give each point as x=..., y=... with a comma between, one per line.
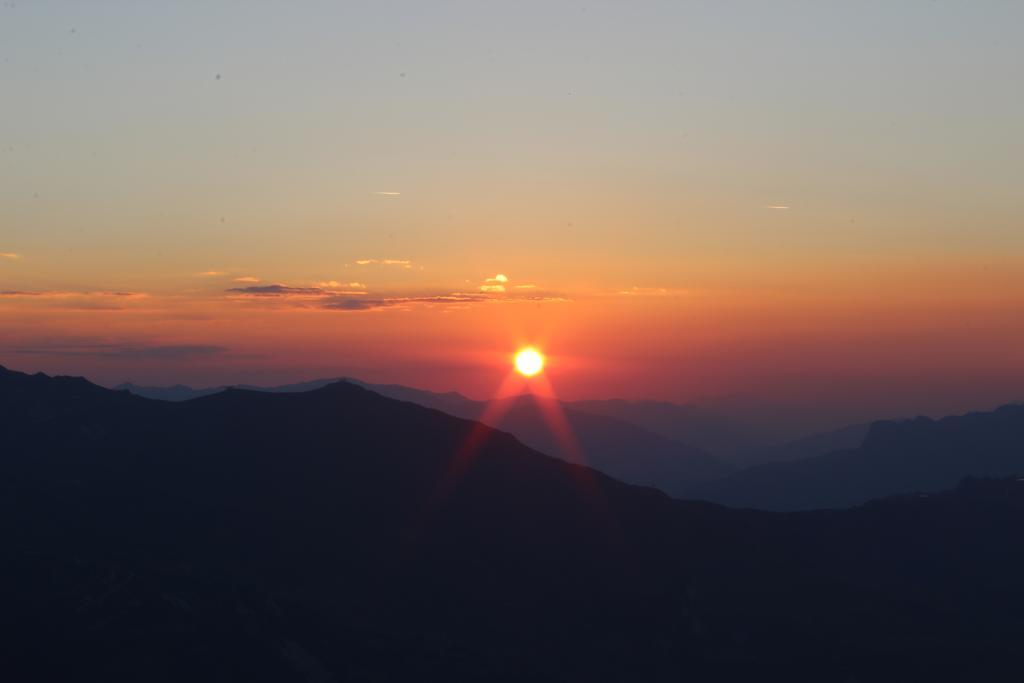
x=889, y=336
x=806, y=202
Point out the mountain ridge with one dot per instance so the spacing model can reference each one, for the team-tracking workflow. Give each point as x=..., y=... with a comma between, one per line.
x=917, y=455
x=616, y=447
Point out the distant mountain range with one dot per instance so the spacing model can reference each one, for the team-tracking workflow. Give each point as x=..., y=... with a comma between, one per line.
x=921, y=455
x=614, y=446
x=637, y=443
x=337, y=534
x=732, y=438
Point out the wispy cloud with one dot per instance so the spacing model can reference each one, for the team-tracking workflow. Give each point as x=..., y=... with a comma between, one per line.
x=778, y=207
x=648, y=291
x=278, y=290
x=383, y=193
x=211, y=273
x=10, y=255
x=343, y=304
x=403, y=263
x=340, y=303
x=494, y=285
x=334, y=284
x=120, y=351
x=328, y=297
x=445, y=301
x=61, y=294
x=247, y=278
x=106, y=301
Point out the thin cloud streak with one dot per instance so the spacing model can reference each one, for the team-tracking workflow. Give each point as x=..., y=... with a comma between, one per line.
x=650, y=291
x=334, y=284
x=277, y=290
x=121, y=351
x=79, y=301
x=404, y=263
x=328, y=298
x=60, y=294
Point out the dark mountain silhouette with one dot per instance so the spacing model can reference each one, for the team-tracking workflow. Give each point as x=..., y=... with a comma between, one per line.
x=340, y=535
x=181, y=392
x=834, y=469
x=729, y=439
x=176, y=392
x=896, y=457
x=616, y=447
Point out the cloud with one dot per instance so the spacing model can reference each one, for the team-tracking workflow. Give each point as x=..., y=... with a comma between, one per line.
x=334, y=284
x=404, y=263
x=780, y=207
x=129, y=351
x=387, y=194
x=525, y=287
x=108, y=301
x=247, y=278
x=61, y=294
x=494, y=285
x=277, y=290
x=10, y=255
x=340, y=303
x=343, y=304
x=328, y=296
x=211, y=273
x=448, y=301
x=651, y=291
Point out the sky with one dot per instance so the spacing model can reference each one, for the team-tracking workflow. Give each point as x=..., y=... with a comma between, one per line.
x=816, y=203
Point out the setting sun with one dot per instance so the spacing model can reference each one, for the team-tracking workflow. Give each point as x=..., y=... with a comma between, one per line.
x=529, y=362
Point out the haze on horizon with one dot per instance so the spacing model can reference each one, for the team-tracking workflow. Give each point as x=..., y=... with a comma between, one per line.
x=808, y=203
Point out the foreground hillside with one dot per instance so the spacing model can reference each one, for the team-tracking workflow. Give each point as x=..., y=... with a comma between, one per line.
x=340, y=535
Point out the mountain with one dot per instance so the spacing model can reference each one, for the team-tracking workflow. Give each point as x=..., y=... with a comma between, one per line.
x=181, y=392
x=833, y=469
x=706, y=429
x=808, y=446
x=177, y=392
x=616, y=447
x=732, y=440
x=340, y=535
x=895, y=457
x=613, y=446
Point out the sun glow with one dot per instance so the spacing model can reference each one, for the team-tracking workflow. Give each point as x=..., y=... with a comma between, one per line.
x=529, y=362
